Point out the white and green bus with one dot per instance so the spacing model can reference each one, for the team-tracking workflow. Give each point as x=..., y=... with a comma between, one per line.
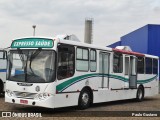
x=57, y=72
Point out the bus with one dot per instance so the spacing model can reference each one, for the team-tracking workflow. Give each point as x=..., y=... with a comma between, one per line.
x=60, y=72
x=3, y=69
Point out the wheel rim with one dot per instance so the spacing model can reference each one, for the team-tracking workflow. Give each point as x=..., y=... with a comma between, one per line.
x=85, y=98
x=140, y=94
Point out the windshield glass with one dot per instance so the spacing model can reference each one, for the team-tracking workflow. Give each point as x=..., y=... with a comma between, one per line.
x=34, y=66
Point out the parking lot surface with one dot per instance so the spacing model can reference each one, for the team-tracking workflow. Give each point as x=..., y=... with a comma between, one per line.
x=115, y=109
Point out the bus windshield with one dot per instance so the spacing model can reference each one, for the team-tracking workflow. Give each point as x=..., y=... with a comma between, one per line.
x=33, y=66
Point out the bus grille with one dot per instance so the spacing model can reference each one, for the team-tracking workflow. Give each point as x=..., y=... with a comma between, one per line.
x=25, y=95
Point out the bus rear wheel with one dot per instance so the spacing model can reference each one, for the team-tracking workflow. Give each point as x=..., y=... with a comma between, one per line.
x=84, y=99
x=140, y=94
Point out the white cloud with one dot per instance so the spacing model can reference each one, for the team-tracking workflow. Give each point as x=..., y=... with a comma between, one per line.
x=112, y=18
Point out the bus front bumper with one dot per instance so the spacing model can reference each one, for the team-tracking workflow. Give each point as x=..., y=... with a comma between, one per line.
x=47, y=103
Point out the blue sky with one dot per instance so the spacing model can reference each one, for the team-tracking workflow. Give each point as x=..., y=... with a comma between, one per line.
x=112, y=18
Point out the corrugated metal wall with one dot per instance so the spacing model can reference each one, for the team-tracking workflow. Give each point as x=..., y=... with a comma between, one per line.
x=137, y=40
x=154, y=40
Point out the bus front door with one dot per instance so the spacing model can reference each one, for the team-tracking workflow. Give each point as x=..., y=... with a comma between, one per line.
x=104, y=69
x=131, y=71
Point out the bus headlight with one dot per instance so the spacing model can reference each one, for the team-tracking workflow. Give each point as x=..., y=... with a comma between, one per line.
x=40, y=96
x=9, y=93
x=43, y=96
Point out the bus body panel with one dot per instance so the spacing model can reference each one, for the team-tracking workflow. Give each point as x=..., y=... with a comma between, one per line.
x=48, y=103
x=104, y=95
x=28, y=87
x=66, y=99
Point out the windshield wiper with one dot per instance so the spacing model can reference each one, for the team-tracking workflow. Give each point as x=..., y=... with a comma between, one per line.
x=33, y=56
x=24, y=62
x=36, y=52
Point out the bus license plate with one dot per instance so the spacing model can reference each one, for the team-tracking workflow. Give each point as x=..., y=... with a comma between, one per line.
x=24, y=101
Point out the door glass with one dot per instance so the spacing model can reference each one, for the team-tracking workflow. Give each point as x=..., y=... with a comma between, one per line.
x=100, y=63
x=104, y=69
x=106, y=58
x=133, y=75
x=126, y=65
x=133, y=66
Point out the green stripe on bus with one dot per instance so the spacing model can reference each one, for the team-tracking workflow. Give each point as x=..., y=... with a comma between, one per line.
x=71, y=81
x=147, y=80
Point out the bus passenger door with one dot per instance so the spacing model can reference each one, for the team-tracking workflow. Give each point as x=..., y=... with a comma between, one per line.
x=104, y=69
x=131, y=71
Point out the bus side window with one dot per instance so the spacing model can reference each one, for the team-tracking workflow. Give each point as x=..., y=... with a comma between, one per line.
x=93, y=58
x=140, y=65
x=155, y=66
x=82, y=59
x=66, y=61
x=117, y=63
x=148, y=65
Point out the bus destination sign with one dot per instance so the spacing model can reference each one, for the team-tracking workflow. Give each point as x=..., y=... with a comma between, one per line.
x=32, y=43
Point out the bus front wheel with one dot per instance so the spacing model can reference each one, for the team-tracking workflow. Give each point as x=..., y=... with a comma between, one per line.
x=84, y=99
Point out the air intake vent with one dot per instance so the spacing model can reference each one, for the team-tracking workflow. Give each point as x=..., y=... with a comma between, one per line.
x=68, y=37
x=127, y=48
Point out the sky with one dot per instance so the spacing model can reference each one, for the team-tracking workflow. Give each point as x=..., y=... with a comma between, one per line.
x=111, y=18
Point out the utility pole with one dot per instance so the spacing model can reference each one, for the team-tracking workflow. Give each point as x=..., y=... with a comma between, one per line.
x=34, y=29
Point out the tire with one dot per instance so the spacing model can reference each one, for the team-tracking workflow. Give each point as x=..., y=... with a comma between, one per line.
x=140, y=94
x=84, y=99
x=1, y=89
x=2, y=95
x=1, y=86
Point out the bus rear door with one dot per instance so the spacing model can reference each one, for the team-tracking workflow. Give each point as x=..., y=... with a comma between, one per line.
x=131, y=71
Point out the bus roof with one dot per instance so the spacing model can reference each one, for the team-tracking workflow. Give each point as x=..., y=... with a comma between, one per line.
x=106, y=48
x=70, y=42
x=84, y=44
x=128, y=52
x=151, y=56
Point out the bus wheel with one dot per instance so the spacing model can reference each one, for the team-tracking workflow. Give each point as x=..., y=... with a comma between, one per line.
x=140, y=94
x=1, y=89
x=84, y=99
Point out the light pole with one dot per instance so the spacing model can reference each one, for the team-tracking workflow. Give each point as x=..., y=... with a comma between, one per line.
x=34, y=29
